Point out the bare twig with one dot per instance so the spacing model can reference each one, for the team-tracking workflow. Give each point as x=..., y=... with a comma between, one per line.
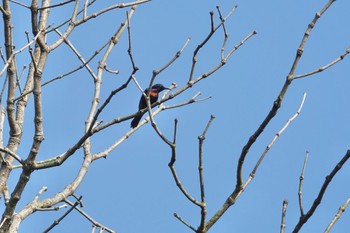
x=129, y=42
x=80, y=57
x=300, y=197
x=225, y=33
x=42, y=190
x=94, y=222
x=278, y=102
x=20, y=4
x=203, y=207
x=115, y=6
x=56, y=222
x=283, y=220
x=341, y=57
x=154, y=125
x=337, y=216
x=239, y=189
x=303, y=219
x=184, y=222
x=18, y=51
x=174, y=173
x=212, y=31
x=276, y=137
x=56, y=5
x=15, y=156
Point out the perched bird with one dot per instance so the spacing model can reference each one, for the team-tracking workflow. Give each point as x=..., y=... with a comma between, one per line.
x=155, y=90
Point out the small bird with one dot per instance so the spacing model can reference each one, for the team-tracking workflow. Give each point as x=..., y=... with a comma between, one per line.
x=155, y=90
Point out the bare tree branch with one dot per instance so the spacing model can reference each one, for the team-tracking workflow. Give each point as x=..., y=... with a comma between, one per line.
x=283, y=220
x=213, y=29
x=238, y=191
x=337, y=216
x=94, y=222
x=203, y=207
x=304, y=218
x=332, y=63
x=277, y=103
x=301, y=184
x=56, y=222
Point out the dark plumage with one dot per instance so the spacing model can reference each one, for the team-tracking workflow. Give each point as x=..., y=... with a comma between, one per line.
x=155, y=90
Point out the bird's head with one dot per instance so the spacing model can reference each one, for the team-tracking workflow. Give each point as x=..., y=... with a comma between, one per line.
x=158, y=88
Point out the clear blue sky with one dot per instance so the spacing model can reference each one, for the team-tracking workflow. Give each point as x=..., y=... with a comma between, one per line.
x=133, y=189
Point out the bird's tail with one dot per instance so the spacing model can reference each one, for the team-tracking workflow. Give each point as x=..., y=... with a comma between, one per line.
x=136, y=121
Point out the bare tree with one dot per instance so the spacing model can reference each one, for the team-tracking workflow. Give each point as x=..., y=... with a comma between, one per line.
x=24, y=90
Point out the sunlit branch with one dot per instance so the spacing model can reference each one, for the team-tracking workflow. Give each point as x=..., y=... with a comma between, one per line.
x=80, y=57
x=277, y=136
x=10, y=153
x=18, y=51
x=337, y=216
x=283, y=219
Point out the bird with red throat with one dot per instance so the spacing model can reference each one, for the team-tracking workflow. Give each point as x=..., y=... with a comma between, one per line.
x=153, y=95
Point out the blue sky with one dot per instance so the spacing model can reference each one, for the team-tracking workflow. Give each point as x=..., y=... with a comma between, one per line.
x=133, y=190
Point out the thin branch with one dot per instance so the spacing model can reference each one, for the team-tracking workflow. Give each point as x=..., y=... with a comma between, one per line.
x=155, y=73
x=56, y=5
x=70, y=18
x=278, y=102
x=184, y=222
x=225, y=32
x=179, y=184
x=20, y=4
x=190, y=101
x=54, y=208
x=300, y=197
x=18, y=51
x=86, y=4
x=15, y=156
x=203, y=207
x=239, y=189
x=277, y=136
x=203, y=43
x=337, y=216
x=111, y=71
x=66, y=74
x=311, y=25
x=129, y=42
x=332, y=63
x=56, y=222
x=118, y=5
x=41, y=191
x=94, y=222
x=3, y=221
x=283, y=220
x=154, y=125
x=80, y=57
x=303, y=219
